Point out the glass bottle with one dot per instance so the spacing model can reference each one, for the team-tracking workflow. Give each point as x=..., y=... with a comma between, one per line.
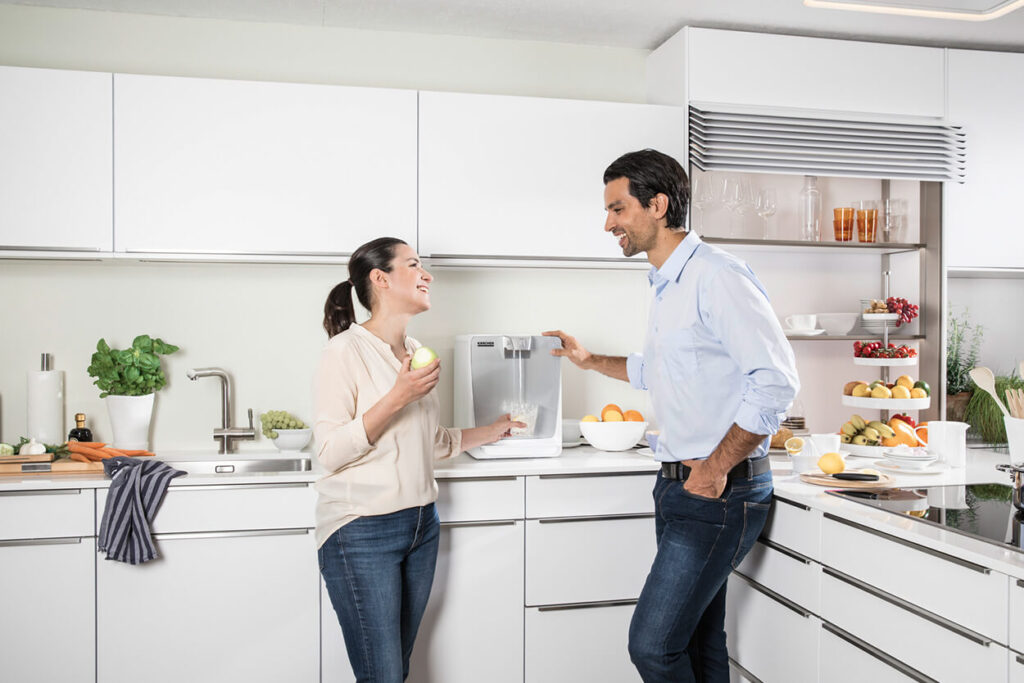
x=810, y=210
x=80, y=432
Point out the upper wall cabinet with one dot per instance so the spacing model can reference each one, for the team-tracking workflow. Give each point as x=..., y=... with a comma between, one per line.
x=520, y=176
x=982, y=216
x=232, y=167
x=764, y=70
x=55, y=164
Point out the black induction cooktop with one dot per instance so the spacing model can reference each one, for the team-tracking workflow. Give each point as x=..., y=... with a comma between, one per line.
x=982, y=511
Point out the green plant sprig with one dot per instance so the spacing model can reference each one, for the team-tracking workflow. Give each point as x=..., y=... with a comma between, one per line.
x=963, y=344
x=130, y=372
x=983, y=414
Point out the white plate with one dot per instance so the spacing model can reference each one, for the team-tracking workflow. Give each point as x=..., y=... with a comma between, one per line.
x=888, y=403
x=646, y=451
x=864, y=451
x=885, y=362
x=935, y=468
x=571, y=444
x=805, y=333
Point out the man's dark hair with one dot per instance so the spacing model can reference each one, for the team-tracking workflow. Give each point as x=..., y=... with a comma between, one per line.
x=649, y=173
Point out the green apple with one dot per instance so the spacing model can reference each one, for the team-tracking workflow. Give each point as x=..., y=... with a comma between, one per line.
x=423, y=357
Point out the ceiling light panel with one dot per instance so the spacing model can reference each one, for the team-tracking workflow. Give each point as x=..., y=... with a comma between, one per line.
x=964, y=10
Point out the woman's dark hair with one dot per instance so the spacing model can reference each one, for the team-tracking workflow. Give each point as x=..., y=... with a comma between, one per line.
x=651, y=173
x=339, y=313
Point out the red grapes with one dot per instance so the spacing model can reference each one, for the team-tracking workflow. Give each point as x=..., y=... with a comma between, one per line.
x=903, y=308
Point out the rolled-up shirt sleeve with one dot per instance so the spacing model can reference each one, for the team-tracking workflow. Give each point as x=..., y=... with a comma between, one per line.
x=338, y=429
x=447, y=442
x=635, y=371
x=736, y=308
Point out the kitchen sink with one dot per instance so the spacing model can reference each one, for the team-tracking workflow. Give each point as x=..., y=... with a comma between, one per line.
x=242, y=466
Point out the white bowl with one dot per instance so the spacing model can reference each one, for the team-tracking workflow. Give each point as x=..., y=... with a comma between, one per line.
x=613, y=436
x=837, y=324
x=292, y=440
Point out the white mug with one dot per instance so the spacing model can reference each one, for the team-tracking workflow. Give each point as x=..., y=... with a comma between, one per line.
x=825, y=443
x=948, y=440
x=802, y=321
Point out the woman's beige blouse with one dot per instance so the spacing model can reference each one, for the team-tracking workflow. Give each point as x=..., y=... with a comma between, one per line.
x=356, y=370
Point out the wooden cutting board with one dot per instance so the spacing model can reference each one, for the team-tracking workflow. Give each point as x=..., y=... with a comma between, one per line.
x=56, y=467
x=39, y=457
x=819, y=479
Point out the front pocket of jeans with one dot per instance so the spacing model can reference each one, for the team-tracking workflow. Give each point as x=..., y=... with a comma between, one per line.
x=694, y=496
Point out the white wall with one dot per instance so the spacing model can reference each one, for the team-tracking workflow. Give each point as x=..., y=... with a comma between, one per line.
x=994, y=304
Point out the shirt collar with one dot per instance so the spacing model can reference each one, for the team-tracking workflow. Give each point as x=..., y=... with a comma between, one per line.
x=672, y=268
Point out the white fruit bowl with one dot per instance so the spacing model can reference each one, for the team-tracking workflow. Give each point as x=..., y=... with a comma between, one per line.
x=613, y=436
x=292, y=440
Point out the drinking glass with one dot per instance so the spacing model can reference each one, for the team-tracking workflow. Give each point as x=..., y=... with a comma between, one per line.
x=702, y=196
x=765, y=206
x=735, y=195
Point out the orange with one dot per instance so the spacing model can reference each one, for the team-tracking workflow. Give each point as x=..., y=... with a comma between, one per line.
x=612, y=416
x=589, y=418
x=611, y=406
x=922, y=432
x=633, y=416
x=889, y=442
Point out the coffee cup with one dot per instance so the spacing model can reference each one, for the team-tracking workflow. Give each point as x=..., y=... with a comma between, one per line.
x=802, y=321
x=825, y=443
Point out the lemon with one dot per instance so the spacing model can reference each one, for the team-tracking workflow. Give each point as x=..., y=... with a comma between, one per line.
x=901, y=391
x=868, y=470
x=881, y=391
x=589, y=418
x=612, y=416
x=831, y=463
x=905, y=381
x=794, y=445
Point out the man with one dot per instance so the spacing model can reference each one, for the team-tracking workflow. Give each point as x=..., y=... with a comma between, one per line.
x=721, y=375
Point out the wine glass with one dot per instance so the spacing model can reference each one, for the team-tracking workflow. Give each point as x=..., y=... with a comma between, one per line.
x=765, y=205
x=702, y=195
x=735, y=195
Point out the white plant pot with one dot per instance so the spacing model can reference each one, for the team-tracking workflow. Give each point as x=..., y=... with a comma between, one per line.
x=130, y=417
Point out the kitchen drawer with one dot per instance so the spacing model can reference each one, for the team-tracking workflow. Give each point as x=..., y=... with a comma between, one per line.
x=771, y=638
x=1016, y=609
x=1016, y=667
x=782, y=571
x=232, y=507
x=579, y=644
x=47, y=513
x=483, y=499
x=588, y=560
x=961, y=591
x=847, y=659
x=794, y=526
x=934, y=646
x=582, y=495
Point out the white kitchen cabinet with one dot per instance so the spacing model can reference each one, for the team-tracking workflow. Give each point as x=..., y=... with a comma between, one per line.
x=794, y=526
x=579, y=643
x=1016, y=610
x=233, y=167
x=980, y=216
x=769, y=636
x=56, y=169
x=1016, y=665
x=794, y=72
x=523, y=176
x=785, y=572
x=846, y=659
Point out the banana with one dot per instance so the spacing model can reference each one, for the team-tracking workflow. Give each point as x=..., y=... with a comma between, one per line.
x=860, y=440
x=858, y=422
x=846, y=438
x=883, y=429
x=849, y=430
x=871, y=434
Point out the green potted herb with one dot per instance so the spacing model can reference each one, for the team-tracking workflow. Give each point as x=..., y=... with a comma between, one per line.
x=963, y=343
x=128, y=380
x=984, y=416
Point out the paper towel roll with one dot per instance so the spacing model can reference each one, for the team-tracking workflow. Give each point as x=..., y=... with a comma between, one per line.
x=45, y=407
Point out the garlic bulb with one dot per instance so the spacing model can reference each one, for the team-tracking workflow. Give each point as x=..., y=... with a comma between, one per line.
x=33, y=447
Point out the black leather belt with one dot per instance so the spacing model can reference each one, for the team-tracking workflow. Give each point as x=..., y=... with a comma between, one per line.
x=744, y=470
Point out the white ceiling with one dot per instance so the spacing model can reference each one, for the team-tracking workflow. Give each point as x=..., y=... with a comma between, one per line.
x=614, y=23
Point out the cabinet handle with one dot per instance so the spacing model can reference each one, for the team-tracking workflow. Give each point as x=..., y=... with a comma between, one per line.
x=596, y=475
x=71, y=540
x=501, y=522
x=784, y=550
x=238, y=487
x=1020, y=583
x=924, y=549
x=877, y=654
x=795, y=504
x=746, y=674
x=43, y=492
x=586, y=605
x=172, y=536
x=1020, y=660
x=594, y=518
x=910, y=607
x=785, y=602
x=452, y=480
x=9, y=247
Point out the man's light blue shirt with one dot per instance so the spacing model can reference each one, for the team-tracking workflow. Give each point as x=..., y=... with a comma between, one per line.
x=715, y=353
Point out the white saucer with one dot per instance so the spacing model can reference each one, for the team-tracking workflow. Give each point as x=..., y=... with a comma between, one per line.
x=804, y=333
x=935, y=468
x=645, y=451
x=571, y=444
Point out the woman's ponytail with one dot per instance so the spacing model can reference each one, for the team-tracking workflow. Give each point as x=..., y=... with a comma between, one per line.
x=339, y=313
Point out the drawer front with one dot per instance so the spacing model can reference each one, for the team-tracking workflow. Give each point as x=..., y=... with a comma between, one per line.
x=53, y=513
x=923, y=642
x=589, y=495
x=960, y=591
x=796, y=527
x=789, y=574
x=762, y=626
x=579, y=644
x=590, y=560
x=487, y=499
x=230, y=507
x=1016, y=609
x=1016, y=667
x=846, y=659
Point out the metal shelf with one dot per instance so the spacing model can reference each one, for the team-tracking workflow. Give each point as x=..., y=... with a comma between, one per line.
x=850, y=337
x=877, y=248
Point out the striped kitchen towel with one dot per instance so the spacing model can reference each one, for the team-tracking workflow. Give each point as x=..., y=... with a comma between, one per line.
x=137, y=489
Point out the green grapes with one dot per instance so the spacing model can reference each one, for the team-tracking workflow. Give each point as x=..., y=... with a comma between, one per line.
x=279, y=419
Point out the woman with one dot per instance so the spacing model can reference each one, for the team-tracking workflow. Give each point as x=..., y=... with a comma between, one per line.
x=377, y=434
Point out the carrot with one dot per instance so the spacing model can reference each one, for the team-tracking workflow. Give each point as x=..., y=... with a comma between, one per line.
x=88, y=444
x=88, y=452
x=112, y=451
x=79, y=457
x=140, y=453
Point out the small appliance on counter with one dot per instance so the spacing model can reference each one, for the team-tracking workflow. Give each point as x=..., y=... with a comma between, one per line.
x=516, y=374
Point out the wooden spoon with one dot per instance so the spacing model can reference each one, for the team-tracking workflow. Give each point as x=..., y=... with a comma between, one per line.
x=984, y=378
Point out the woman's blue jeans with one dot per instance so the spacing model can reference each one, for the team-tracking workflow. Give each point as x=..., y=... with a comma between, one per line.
x=378, y=571
x=678, y=630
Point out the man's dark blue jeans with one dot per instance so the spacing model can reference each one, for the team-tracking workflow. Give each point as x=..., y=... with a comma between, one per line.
x=678, y=630
x=378, y=571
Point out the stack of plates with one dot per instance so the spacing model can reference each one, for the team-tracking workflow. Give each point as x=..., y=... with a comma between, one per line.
x=911, y=461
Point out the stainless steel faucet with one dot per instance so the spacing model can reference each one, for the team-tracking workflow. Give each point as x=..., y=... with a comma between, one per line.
x=226, y=434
